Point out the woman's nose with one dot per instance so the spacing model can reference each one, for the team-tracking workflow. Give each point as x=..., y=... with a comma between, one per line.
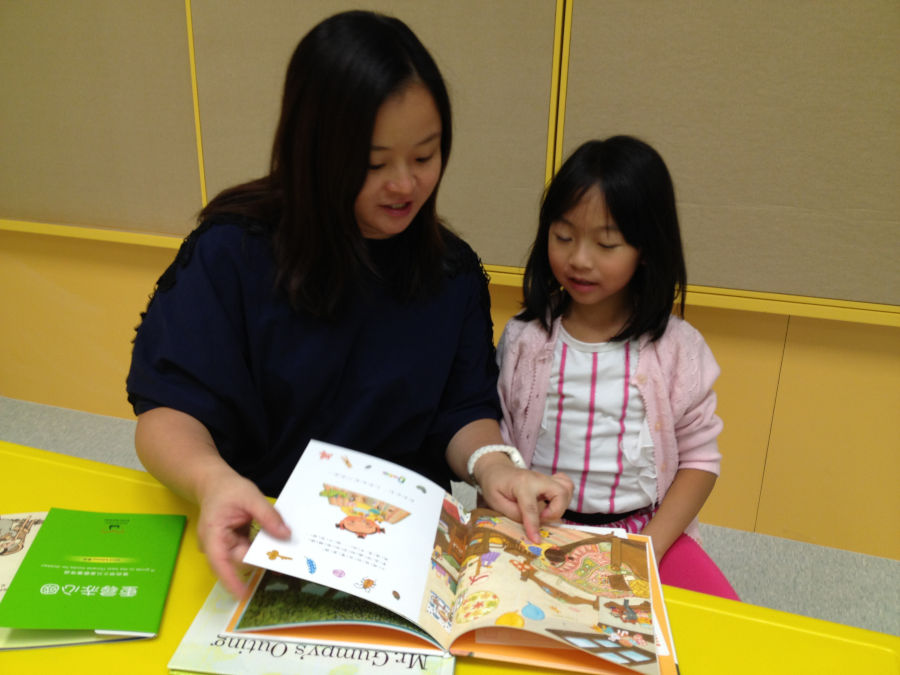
x=401, y=180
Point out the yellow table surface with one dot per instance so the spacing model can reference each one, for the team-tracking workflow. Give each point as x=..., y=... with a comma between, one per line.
x=712, y=635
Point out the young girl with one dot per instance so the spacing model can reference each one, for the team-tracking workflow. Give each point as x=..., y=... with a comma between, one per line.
x=326, y=300
x=597, y=379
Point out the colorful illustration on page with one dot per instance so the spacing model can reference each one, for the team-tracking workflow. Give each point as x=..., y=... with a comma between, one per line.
x=597, y=580
x=363, y=515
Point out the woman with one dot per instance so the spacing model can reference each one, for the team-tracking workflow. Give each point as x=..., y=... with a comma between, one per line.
x=326, y=300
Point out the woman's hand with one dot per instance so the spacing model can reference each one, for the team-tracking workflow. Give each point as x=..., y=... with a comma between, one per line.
x=228, y=505
x=521, y=494
x=179, y=451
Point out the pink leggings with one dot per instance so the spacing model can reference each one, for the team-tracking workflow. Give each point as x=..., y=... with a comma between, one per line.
x=687, y=565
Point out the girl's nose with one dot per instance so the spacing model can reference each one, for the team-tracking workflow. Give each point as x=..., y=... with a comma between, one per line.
x=580, y=258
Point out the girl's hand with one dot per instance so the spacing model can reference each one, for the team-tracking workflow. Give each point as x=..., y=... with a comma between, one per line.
x=228, y=505
x=521, y=494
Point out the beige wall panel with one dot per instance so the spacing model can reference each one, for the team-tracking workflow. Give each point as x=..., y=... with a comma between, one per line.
x=748, y=347
x=96, y=115
x=780, y=122
x=496, y=58
x=834, y=457
x=69, y=308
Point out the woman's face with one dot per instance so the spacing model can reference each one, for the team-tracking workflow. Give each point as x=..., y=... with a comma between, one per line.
x=404, y=163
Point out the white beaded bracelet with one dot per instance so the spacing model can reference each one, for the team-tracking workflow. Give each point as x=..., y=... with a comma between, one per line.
x=512, y=452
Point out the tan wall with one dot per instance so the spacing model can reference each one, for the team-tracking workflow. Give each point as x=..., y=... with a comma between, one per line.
x=779, y=119
x=780, y=122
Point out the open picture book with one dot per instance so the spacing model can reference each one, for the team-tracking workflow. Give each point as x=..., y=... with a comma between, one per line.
x=452, y=581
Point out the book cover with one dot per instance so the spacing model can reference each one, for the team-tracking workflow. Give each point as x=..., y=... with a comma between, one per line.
x=584, y=599
x=105, y=574
x=210, y=647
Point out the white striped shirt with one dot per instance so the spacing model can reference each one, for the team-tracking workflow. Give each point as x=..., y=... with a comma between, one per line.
x=594, y=427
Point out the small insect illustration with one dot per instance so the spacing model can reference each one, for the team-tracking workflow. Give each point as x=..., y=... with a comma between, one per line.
x=396, y=595
x=338, y=573
x=347, y=462
x=366, y=584
x=324, y=455
x=271, y=555
x=311, y=565
x=421, y=488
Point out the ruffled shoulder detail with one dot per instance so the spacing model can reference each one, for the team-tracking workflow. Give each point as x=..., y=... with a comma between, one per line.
x=186, y=251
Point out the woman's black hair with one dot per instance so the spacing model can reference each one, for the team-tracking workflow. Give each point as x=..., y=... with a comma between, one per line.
x=340, y=74
x=639, y=194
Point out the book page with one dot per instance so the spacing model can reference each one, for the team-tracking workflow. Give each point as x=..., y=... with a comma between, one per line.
x=17, y=531
x=293, y=608
x=209, y=646
x=359, y=524
x=587, y=589
x=448, y=556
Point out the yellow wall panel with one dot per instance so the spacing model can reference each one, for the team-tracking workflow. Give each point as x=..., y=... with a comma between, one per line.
x=69, y=307
x=748, y=347
x=506, y=301
x=68, y=311
x=834, y=458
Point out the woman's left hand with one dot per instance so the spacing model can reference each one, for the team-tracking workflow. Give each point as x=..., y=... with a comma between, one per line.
x=523, y=495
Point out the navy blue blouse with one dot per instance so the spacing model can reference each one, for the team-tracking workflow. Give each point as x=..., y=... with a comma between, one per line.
x=393, y=378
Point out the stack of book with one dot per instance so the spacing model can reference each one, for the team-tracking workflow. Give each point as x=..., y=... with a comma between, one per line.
x=72, y=577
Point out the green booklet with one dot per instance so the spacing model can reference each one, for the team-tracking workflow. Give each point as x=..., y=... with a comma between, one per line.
x=105, y=574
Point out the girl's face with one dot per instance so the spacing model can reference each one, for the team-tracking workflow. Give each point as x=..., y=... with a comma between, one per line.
x=404, y=163
x=589, y=256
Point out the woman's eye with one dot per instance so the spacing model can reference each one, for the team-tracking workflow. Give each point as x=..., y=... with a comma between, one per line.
x=375, y=167
x=425, y=160
x=562, y=238
x=608, y=247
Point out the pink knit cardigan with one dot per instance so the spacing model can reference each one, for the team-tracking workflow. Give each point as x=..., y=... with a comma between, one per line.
x=675, y=376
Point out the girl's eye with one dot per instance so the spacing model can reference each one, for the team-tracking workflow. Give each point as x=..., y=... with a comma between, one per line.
x=375, y=167
x=608, y=247
x=425, y=160
x=562, y=238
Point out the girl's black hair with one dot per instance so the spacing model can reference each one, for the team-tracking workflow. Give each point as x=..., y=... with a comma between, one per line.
x=340, y=74
x=640, y=197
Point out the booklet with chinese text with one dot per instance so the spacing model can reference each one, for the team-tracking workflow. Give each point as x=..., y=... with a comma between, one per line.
x=467, y=583
x=83, y=576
